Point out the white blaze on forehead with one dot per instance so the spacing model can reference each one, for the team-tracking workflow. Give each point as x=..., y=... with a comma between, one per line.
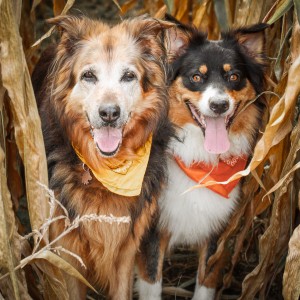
x=108, y=54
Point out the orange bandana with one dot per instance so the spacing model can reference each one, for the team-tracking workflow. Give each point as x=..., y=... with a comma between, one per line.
x=202, y=173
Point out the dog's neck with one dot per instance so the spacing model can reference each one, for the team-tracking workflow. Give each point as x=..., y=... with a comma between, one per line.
x=126, y=178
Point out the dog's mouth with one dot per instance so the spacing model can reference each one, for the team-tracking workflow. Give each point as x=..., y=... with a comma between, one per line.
x=215, y=129
x=107, y=139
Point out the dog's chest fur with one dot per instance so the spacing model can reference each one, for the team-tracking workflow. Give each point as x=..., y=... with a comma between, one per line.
x=191, y=216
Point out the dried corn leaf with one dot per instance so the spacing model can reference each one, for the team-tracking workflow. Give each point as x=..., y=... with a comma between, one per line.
x=13, y=287
x=222, y=13
x=177, y=292
x=161, y=13
x=128, y=5
x=278, y=63
x=170, y=5
x=272, y=247
x=286, y=177
x=257, y=204
x=151, y=7
x=59, y=262
x=182, y=10
x=52, y=280
x=297, y=9
x=200, y=12
x=249, y=12
x=13, y=160
x=276, y=158
x=68, y=5
x=6, y=259
x=282, y=7
x=273, y=242
x=34, y=4
x=16, y=80
x=238, y=228
x=291, y=277
x=295, y=50
x=117, y=4
x=58, y=6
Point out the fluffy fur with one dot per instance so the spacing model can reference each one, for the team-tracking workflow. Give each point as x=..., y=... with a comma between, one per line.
x=208, y=79
x=94, y=66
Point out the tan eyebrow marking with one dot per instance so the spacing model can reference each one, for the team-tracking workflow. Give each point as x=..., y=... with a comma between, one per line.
x=227, y=67
x=203, y=69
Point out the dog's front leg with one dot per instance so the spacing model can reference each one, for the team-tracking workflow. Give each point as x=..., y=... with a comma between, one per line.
x=208, y=279
x=121, y=285
x=203, y=290
x=150, y=264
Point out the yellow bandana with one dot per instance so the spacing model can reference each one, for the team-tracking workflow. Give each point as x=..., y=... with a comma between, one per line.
x=127, y=178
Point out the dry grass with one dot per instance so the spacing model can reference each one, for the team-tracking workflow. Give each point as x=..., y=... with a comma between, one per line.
x=260, y=245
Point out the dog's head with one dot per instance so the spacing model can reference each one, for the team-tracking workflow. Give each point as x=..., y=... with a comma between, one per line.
x=109, y=88
x=215, y=80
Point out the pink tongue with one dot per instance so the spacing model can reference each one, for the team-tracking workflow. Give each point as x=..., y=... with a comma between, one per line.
x=216, y=136
x=107, y=138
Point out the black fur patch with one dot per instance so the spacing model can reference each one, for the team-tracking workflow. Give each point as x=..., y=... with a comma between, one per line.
x=150, y=251
x=214, y=54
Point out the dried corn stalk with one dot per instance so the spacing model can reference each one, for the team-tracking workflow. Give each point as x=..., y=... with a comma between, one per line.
x=270, y=189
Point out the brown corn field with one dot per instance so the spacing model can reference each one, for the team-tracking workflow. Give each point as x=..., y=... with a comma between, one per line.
x=259, y=248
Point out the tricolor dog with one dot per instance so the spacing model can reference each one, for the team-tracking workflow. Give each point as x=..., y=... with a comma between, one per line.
x=213, y=85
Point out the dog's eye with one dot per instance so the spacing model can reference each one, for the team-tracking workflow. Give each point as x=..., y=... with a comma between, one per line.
x=128, y=76
x=89, y=76
x=196, y=78
x=234, y=77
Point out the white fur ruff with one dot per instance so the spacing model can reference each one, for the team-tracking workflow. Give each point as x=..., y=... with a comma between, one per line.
x=193, y=216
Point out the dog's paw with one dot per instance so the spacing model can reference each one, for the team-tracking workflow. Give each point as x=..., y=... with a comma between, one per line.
x=204, y=293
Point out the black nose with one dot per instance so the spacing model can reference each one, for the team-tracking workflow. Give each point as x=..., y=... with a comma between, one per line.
x=219, y=107
x=109, y=113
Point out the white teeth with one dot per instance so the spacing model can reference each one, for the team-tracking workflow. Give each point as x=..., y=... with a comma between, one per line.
x=202, y=121
x=228, y=117
x=196, y=115
x=92, y=131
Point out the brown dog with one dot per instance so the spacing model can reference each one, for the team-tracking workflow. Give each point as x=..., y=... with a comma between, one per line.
x=102, y=100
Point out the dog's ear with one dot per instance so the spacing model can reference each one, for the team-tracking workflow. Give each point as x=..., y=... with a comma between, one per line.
x=251, y=39
x=148, y=33
x=176, y=42
x=144, y=27
x=71, y=25
x=177, y=38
